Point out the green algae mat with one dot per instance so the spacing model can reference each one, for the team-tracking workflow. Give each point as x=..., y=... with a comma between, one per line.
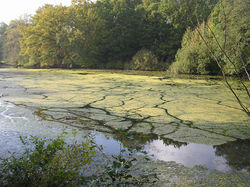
x=142, y=111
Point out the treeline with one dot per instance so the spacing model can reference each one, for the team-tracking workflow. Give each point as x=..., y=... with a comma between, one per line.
x=116, y=34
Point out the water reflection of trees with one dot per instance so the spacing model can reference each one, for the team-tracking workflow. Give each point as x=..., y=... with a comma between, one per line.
x=176, y=144
x=137, y=141
x=236, y=153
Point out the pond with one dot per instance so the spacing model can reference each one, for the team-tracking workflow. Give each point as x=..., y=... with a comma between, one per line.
x=189, y=120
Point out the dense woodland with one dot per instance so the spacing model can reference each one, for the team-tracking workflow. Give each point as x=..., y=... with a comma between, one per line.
x=174, y=35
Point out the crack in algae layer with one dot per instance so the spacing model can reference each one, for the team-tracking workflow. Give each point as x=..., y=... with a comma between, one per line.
x=184, y=110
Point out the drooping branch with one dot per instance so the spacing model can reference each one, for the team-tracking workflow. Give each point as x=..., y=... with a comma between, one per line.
x=230, y=60
x=244, y=108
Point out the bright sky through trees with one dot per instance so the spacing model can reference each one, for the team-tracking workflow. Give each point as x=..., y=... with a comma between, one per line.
x=13, y=9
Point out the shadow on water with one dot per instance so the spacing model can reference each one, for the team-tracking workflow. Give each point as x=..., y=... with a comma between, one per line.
x=236, y=153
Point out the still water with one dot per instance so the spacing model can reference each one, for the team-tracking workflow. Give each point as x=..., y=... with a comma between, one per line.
x=227, y=157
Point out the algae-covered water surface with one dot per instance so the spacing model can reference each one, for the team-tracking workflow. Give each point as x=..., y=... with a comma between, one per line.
x=191, y=121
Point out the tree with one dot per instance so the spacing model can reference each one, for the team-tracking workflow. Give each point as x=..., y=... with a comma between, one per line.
x=193, y=57
x=226, y=35
x=181, y=15
x=224, y=52
x=229, y=27
x=46, y=41
x=13, y=36
x=123, y=23
x=89, y=33
x=226, y=44
x=3, y=27
x=158, y=35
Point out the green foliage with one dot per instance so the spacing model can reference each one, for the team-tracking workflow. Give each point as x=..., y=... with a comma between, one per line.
x=48, y=162
x=3, y=38
x=144, y=60
x=180, y=15
x=227, y=37
x=123, y=172
x=89, y=33
x=123, y=25
x=193, y=57
x=115, y=65
x=53, y=162
x=230, y=23
x=103, y=34
x=46, y=41
x=12, y=44
x=183, y=14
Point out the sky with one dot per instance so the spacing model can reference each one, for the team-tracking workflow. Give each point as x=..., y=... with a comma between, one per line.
x=13, y=9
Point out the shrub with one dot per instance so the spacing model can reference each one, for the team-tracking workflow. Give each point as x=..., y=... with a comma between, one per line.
x=50, y=162
x=53, y=162
x=124, y=171
x=144, y=60
x=115, y=65
x=194, y=57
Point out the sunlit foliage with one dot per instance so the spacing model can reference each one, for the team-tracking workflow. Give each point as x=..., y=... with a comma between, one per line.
x=227, y=35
